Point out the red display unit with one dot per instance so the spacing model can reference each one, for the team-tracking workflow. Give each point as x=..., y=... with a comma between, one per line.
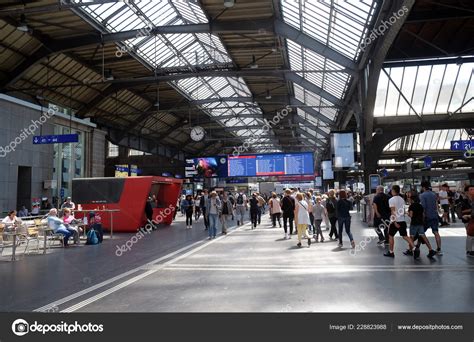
x=128, y=196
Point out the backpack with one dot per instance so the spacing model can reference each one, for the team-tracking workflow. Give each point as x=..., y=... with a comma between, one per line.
x=240, y=199
x=92, y=238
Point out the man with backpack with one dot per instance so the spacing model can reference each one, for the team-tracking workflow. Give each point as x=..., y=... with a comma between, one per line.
x=240, y=208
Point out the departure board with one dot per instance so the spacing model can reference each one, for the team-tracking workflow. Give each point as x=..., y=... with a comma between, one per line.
x=276, y=164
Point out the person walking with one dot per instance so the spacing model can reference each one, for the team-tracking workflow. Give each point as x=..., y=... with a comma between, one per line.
x=324, y=198
x=428, y=200
x=254, y=210
x=187, y=206
x=275, y=210
x=302, y=218
x=226, y=213
x=310, y=202
x=204, y=204
x=381, y=215
x=213, y=210
x=343, y=206
x=417, y=229
x=240, y=208
x=261, y=207
x=288, y=209
x=397, y=223
x=318, y=211
x=467, y=216
x=331, y=208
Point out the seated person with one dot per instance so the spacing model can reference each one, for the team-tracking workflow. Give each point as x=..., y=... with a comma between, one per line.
x=69, y=223
x=10, y=220
x=56, y=224
x=95, y=222
x=23, y=212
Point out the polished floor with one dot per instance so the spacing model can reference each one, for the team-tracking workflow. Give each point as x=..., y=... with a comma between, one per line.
x=179, y=270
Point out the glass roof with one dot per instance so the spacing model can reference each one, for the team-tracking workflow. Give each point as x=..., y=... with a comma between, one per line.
x=340, y=25
x=180, y=50
x=428, y=140
x=430, y=89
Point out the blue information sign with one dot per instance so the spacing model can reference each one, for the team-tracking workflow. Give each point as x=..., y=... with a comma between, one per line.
x=428, y=160
x=462, y=145
x=55, y=139
x=62, y=193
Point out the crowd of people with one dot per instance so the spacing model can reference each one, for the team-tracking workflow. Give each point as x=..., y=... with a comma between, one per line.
x=305, y=213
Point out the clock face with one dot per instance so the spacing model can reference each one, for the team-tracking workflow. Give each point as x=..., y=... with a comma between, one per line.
x=197, y=133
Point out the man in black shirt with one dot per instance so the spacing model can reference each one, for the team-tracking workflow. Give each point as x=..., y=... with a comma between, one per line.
x=254, y=210
x=288, y=208
x=415, y=211
x=382, y=214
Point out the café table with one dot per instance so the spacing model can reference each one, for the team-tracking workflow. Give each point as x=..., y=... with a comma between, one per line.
x=110, y=211
x=13, y=234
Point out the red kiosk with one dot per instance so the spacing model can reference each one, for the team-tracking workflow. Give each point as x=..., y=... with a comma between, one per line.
x=128, y=196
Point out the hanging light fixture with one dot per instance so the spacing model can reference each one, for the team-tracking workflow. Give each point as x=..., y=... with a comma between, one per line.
x=157, y=103
x=229, y=3
x=254, y=64
x=23, y=25
x=268, y=96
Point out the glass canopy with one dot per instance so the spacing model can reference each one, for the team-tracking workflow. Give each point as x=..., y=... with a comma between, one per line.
x=187, y=51
x=428, y=140
x=426, y=89
x=341, y=26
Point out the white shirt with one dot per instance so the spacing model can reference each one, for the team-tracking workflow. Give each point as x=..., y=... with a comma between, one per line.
x=303, y=215
x=399, y=204
x=443, y=193
x=8, y=220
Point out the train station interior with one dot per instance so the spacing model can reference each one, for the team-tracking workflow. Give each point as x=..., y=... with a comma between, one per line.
x=236, y=156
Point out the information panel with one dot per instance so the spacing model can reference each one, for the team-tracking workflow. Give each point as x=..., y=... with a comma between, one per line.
x=206, y=167
x=326, y=166
x=277, y=164
x=343, y=150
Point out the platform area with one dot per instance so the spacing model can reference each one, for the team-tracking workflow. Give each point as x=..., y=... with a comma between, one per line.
x=179, y=270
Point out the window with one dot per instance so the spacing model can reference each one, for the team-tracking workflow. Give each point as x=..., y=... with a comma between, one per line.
x=112, y=150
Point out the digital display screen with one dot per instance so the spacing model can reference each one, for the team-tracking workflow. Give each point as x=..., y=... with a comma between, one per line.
x=318, y=182
x=206, y=167
x=326, y=166
x=374, y=181
x=277, y=164
x=343, y=150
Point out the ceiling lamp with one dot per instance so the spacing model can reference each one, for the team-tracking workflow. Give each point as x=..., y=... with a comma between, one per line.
x=229, y=3
x=22, y=25
x=254, y=64
x=268, y=96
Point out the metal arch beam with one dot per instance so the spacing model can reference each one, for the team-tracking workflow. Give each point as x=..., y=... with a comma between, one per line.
x=297, y=79
x=317, y=115
x=299, y=119
x=289, y=32
x=380, y=51
x=309, y=136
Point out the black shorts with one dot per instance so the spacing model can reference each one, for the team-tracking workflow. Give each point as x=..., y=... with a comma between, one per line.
x=392, y=230
x=445, y=208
